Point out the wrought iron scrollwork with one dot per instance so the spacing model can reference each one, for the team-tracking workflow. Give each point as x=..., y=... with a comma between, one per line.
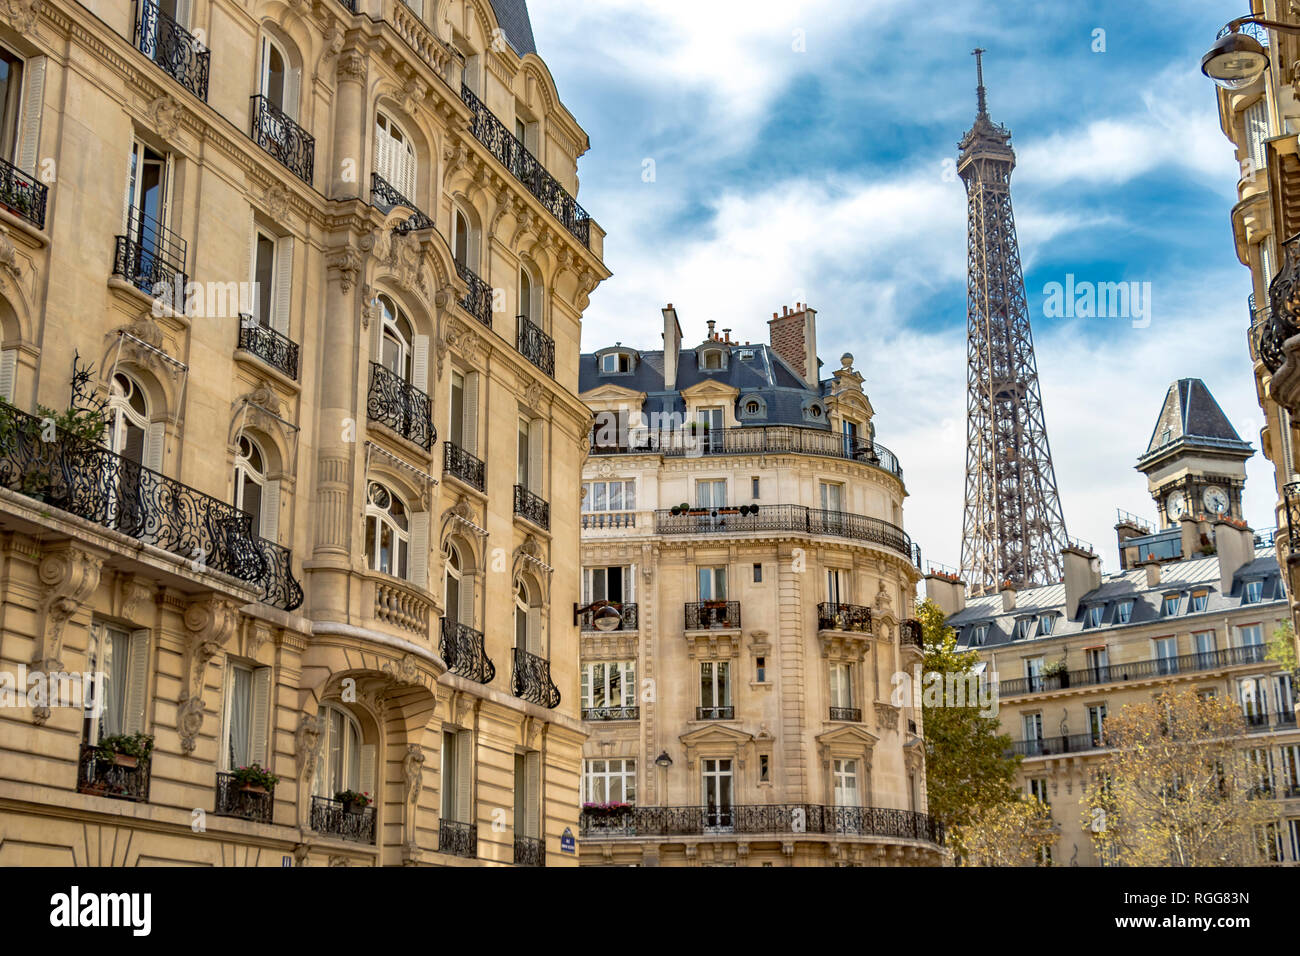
x=396, y=403
x=172, y=47
x=236, y=801
x=22, y=194
x=536, y=346
x=385, y=198
x=151, y=257
x=463, y=466
x=843, y=617
x=529, y=851
x=275, y=349
x=531, y=680
x=336, y=819
x=106, y=774
x=762, y=818
x=478, y=300
x=1284, y=307
x=457, y=839
x=611, y=713
x=703, y=615
x=796, y=518
x=284, y=139
x=532, y=507
x=462, y=647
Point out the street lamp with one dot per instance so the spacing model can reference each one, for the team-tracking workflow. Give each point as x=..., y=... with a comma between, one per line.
x=663, y=760
x=1238, y=59
x=607, y=616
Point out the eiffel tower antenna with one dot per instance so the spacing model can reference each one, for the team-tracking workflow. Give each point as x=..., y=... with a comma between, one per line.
x=1012, y=527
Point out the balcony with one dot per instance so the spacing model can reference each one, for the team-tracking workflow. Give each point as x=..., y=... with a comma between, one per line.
x=233, y=800
x=478, y=300
x=394, y=402
x=1262, y=723
x=23, y=195
x=775, y=819
x=1291, y=504
x=462, y=648
x=529, y=851
x=843, y=617
x=851, y=715
x=911, y=634
x=1053, y=746
x=526, y=168
x=627, y=621
x=333, y=818
x=611, y=713
x=458, y=839
x=723, y=712
x=532, y=507
x=796, y=518
x=608, y=520
x=276, y=350
x=707, y=615
x=385, y=198
x=461, y=465
x=85, y=479
x=1154, y=668
x=104, y=773
x=172, y=47
x=531, y=680
x=285, y=140
x=151, y=257
x=535, y=345
x=753, y=440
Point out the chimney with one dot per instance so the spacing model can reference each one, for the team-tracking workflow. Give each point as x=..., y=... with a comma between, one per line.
x=1235, y=548
x=946, y=591
x=1191, y=536
x=1082, y=574
x=1008, y=592
x=672, y=347
x=794, y=337
x=1152, y=568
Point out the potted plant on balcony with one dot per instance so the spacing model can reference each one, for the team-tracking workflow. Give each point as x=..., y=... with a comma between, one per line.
x=353, y=802
x=609, y=810
x=127, y=750
x=1057, y=669
x=254, y=779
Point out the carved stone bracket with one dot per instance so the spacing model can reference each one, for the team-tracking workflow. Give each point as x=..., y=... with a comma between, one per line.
x=307, y=746
x=886, y=716
x=69, y=576
x=210, y=621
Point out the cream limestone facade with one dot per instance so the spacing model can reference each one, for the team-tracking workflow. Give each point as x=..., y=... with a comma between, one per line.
x=742, y=520
x=320, y=265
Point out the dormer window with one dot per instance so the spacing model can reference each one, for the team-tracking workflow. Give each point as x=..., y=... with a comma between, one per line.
x=814, y=411
x=1198, y=602
x=1045, y=624
x=747, y=355
x=1025, y=629
x=711, y=360
x=1253, y=592
x=751, y=407
x=1123, y=612
x=978, y=635
x=1092, y=616
x=1170, y=605
x=616, y=362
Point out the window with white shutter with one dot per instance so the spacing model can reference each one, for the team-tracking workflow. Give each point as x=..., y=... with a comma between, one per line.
x=395, y=156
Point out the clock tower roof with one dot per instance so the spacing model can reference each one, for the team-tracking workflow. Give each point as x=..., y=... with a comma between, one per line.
x=1191, y=422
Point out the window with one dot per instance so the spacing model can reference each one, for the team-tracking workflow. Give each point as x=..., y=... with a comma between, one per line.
x=1024, y=629
x=1253, y=592
x=712, y=360
x=709, y=417
x=1033, y=724
x=388, y=531
x=832, y=496
x=395, y=156
x=1038, y=789
x=11, y=111
x=716, y=787
x=752, y=407
x=765, y=776
x=1123, y=612
x=1093, y=615
x=123, y=658
x=1205, y=645
x=760, y=670
x=1166, y=655
x=613, y=362
x=837, y=586
x=1198, y=602
x=711, y=493
x=246, y=724
x=1034, y=673
x=129, y=432
x=1045, y=624
x=1259, y=769
x=844, y=774
x=613, y=584
x=715, y=687
x=528, y=619
x=758, y=574
x=979, y=633
x=609, y=781
x=457, y=588
x=263, y=277
x=347, y=763
x=528, y=794
x=849, y=432
x=279, y=82
x=712, y=583
x=529, y=464
x=609, y=496
x=841, y=685
x=1289, y=770
x=463, y=411
x=397, y=347
x=460, y=240
x=1098, y=661
x=609, y=684
x=253, y=492
x=146, y=217
x=1283, y=695
x=1253, y=694
x=457, y=781
x=610, y=430
x=1251, y=635
x=1097, y=722
x=530, y=298
x=1170, y=605
x=753, y=488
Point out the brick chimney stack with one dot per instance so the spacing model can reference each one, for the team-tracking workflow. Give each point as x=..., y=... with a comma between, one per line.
x=672, y=346
x=794, y=338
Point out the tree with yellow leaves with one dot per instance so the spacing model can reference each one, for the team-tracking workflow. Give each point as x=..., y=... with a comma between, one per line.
x=1017, y=832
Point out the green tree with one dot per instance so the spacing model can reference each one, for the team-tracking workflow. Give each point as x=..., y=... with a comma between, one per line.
x=1281, y=649
x=967, y=771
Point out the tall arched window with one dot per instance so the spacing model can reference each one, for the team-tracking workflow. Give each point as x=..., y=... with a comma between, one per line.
x=395, y=156
x=526, y=294
x=399, y=338
x=346, y=763
x=387, y=531
x=250, y=481
x=128, y=419
x=460, y=239
x=522, y=613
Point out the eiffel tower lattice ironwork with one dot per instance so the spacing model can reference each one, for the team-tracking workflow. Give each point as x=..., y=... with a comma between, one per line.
x=1013, y=528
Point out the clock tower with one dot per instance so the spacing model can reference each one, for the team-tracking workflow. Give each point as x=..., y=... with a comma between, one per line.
x=1195, y=462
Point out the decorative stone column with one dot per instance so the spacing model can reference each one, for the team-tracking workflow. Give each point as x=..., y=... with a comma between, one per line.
x=349, y=129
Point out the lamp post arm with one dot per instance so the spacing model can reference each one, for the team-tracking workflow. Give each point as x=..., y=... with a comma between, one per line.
x=1234, y=26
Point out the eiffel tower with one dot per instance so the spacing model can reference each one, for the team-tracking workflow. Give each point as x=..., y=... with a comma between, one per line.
x=1013, y=528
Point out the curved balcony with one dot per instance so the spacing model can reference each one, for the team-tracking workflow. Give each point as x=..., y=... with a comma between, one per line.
x=775, y=819
x=233, y=800
x=531, y=679
x=843, y=617
x=385, y=198
x=334, y=818
x=172, y=47
x=396, y=403
x=462, y=648
x=747, y=519
x=23, y=195
x=400, y=604
x=708, y=615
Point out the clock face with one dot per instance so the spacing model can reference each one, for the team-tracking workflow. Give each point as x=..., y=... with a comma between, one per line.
x=1216, y=500
x=1176, y=504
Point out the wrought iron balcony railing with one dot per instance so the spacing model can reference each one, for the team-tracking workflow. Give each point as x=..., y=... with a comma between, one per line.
x=461, y=465
x=1135, y=670
x=628, y=621
x=721, y=712
x=703, y=615
x=1283, y=307
x=385, y=198
x=1259, y=723
x=532, y=507
x=463, y=651
x=104, y=773
x=236, y=801
x=529, y=851
x=1052, y=746
x=349, y=5
x=23, y=195
x=911, y=633
x=332, y=817
x=1291, y=504
x=611, y=713
x=747, y=440
x=535, y=345
x=458, y=839
x=771, y=818
x=851, y=715
x=531, y=679
x=396, y=403
x=285, y=140
x=274, y=348
x=526, y=168
x=151, y=257
x=843, y=617
x=797, y=518
x=172, y=47
x=83, y=478
x=478, y=300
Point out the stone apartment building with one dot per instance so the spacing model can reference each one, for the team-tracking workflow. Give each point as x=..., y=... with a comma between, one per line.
x=1195, y=604
x=746, y=615
x=320, y=265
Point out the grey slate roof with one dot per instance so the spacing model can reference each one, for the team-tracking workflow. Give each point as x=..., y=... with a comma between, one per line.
x=515, y=24
x=1191, y=416
x=1181, y=577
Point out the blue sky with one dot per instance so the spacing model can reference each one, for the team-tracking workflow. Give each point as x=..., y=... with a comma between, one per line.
x=821, y=174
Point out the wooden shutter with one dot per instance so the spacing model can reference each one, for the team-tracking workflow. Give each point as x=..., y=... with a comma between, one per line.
x=534, y=631
x=408, y=171
x=533, y=793
x=419, y=565
x=464, y=780
x=466, y=598
x=223, y=742
x=381, y=150
x=261, y=723
x=470, y=424
x=137, y=683
x=376, y=331
x=446, y=774
x=420, y=363
x=367, y=783
x=629, y=580
x=8, y=374
x=183, y=13
x=155, y=446
x=292, y=84
x=270, y=529
x=629, y=683
x=251, y=305
x=29, y=137
x=283, y=285
x=584, y=684
x=536, y=462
